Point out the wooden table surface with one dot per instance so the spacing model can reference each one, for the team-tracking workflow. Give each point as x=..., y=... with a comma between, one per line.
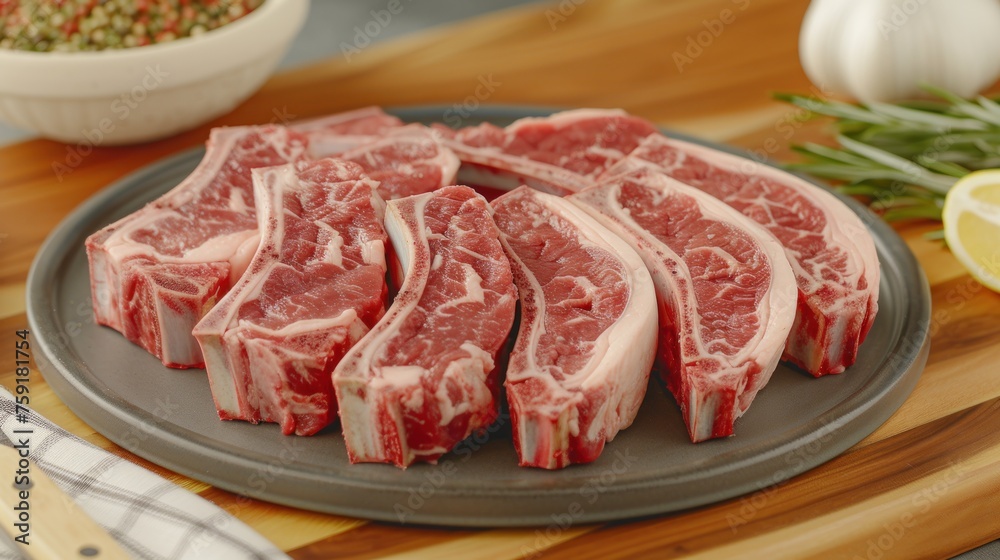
x=925, y=484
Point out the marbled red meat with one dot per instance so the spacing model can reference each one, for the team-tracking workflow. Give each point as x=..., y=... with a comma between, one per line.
x=587, y=338
x=726, y=293
x=406, y=161
x=335, y=134
x=832, y=254
x=560, y=154
x=423, y=379
x=314, y=287
x=157, y=271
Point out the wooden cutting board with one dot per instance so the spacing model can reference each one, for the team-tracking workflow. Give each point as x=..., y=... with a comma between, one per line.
x=926, y=484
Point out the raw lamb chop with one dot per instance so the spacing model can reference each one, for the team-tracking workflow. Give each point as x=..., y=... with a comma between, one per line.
x=580, y=365
x=560, y=154
x=423, y=378
x=314, y=287
x=726, y=292
x=335, y=134
x=156, y=272
x=407, y=161
x=830, y=250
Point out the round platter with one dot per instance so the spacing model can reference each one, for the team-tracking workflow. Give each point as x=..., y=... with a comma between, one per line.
x=167, y=416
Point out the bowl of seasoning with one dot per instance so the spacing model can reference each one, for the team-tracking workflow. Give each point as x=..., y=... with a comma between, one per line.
x=106, y=72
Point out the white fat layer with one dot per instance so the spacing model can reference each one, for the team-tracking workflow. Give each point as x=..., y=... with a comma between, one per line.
x=473, y=286
x=345, y=319
x=221, y=248
x=566, y=118
x=333, y=244
x=373, y=251
x=359, y=415
x=237, y=202
x=402, y=239
x=402, y=375
x=241, y=258
x=610, y=153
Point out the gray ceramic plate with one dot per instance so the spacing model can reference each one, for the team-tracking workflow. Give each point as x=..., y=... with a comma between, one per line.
x=167, y=416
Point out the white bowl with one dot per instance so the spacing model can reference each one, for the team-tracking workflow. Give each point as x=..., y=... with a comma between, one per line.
x=144, y=93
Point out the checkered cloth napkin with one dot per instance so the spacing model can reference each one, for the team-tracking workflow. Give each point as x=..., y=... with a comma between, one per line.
x=149, y=516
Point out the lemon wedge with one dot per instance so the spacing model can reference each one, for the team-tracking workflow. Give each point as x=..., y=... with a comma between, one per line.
x=972, y=225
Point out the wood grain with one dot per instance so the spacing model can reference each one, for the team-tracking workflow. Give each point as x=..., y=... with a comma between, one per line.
x=925, y=485
x=66, y=533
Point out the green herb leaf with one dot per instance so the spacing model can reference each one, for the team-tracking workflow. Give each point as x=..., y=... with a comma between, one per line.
x=903, y=157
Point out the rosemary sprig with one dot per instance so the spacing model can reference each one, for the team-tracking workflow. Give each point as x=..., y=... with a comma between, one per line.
x=903, y=157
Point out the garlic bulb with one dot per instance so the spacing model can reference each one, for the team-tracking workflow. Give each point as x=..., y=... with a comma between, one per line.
x=884, y=50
